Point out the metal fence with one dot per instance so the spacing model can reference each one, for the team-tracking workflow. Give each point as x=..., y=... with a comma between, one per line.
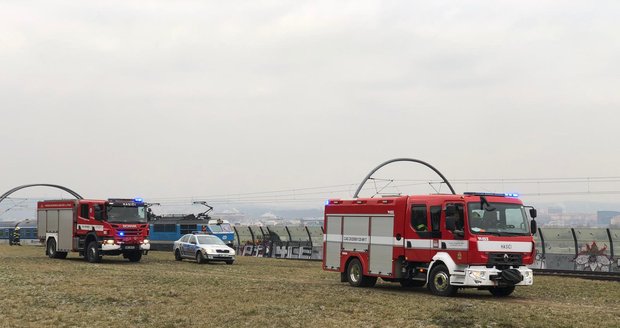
x=576, y=249
x=293, y=242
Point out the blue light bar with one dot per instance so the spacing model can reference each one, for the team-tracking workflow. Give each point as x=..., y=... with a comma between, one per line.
x=138, y=200
x=327, y=202
x=511, y=195
x=122, y=233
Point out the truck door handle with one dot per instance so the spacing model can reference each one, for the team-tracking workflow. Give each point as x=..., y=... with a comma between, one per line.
x=408, y=244
x=443, y=245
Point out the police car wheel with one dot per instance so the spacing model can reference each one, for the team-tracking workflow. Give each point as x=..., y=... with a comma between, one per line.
x=199, y=258
x=439, y=282
x=502, y=291
x=177, y=255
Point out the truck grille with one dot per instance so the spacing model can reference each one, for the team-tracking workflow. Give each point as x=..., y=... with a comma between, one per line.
x=505, y=259
x=131, y=232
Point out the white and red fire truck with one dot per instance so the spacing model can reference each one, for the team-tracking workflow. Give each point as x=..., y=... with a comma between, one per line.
x=94, y=228
x=474, y=240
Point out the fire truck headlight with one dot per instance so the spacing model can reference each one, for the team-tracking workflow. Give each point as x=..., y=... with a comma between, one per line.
x=477, y=275
x=109, y=241
x=146, y=241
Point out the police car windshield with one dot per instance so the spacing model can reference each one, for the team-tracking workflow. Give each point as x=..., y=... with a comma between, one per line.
x=126, y=214
x=501, y=219
x=209, y=240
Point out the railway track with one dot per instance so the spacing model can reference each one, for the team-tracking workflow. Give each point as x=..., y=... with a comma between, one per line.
x=591, y=275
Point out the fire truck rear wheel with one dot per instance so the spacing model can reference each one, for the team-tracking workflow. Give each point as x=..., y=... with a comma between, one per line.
x=439, y=282
x=356, y=277
x=502, y=291
x=177, y=255
x=51, y=248
x=92, y=252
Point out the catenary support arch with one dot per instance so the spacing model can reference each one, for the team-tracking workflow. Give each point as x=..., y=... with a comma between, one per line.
x=73, y=193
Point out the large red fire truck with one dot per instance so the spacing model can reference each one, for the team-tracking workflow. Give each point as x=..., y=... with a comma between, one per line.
x=446, y=241
x=94, y=228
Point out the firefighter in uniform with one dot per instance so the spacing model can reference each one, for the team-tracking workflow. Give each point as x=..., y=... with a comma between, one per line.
x=16, y=237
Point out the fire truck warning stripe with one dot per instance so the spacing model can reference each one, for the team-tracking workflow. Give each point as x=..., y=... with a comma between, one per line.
x=354, y=239
x=419, y=243
x=504, y=246
x=378, y=240
x=437, y=244
x=333, y=238
x=360, y=215
x=89, y=227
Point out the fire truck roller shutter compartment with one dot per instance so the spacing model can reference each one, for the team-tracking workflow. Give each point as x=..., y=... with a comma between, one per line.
x=65, y=230
x=41, y=225
x=381, y=245
x=333, y=241
x=52, y=221
x=355, y=233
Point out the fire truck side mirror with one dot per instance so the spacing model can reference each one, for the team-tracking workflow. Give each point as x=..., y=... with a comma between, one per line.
x=533, y=227
x=533, y=213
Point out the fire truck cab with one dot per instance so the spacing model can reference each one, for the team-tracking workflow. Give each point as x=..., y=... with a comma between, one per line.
x=447, y=242
x=94, y=228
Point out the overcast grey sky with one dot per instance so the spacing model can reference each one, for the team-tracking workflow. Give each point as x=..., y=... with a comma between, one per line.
x=189, y=98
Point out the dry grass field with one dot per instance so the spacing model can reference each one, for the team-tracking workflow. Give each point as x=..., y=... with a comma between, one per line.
x=254, y=292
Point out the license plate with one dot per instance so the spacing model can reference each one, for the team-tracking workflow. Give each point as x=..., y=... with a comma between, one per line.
x=130, y=247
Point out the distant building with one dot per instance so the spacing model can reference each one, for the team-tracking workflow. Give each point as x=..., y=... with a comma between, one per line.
x=603, y=218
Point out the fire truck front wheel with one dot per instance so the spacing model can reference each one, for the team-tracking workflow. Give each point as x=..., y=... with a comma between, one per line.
x=502, y=291
x=439, y=282
x=356, y=277
x=134, y=256
x=93, y=255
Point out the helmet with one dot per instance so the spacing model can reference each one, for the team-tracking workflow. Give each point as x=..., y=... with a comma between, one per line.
x=16, y=228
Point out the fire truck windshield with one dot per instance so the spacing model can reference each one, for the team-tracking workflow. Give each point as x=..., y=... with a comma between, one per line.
x=500, y=219
x=127, y=214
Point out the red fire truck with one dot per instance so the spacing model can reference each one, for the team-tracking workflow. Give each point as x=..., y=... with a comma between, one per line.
x=444, y=241
x=94, y=228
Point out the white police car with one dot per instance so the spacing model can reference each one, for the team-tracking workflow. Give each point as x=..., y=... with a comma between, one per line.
x=203, y=248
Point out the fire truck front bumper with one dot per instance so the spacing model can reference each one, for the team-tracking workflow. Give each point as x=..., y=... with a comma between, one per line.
x=123, y=247
x=481, y=276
